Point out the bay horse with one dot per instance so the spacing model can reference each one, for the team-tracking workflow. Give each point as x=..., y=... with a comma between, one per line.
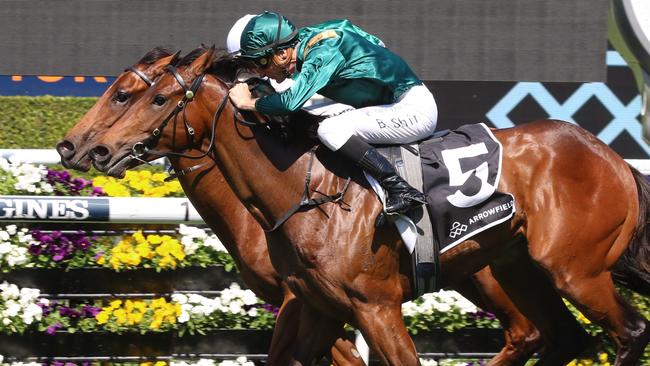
x=347, y=270
x=521, y=338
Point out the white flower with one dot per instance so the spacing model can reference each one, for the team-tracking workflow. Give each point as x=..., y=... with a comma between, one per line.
x=252, y=312
x=29, y=294
x=11, y=229
x=249, y=297
x=205, y=362
x=235, y=307
x=195, y=299
x=6, y=321
x=184, y=317
x=179, y=298
x=9, y=291
x=213, y=242
x=12, y=308
x=4, y=235
x=428, y=362
x=32, y=312
x=5, y=247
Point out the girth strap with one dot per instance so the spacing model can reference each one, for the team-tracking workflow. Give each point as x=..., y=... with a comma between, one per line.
x=306, y=202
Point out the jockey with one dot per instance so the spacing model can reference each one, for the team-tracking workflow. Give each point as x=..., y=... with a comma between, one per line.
x=344, y=63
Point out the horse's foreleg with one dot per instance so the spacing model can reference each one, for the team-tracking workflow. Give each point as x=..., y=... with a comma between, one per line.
x=345, y=353
x=285, y=331
x=383, y=328
x=533, y=294
x=522, y=339
x=319, y=335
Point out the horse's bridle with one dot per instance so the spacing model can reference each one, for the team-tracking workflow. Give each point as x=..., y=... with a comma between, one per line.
x=147, y=146
x=140, y=74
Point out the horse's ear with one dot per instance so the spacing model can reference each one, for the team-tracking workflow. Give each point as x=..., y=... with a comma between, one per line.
x=169, y=60
x=175, y=57
x=204, y=61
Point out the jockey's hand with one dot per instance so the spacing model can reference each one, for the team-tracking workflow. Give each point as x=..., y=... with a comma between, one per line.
x=241, y=97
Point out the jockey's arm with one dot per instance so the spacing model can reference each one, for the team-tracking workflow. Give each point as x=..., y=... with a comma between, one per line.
x=317, y=70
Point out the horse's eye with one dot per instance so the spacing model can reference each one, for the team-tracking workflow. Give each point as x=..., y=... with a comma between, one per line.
x=121, y=97
x=159, y=100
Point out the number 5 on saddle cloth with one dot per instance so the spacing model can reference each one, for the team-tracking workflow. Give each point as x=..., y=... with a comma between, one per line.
x=459, y=172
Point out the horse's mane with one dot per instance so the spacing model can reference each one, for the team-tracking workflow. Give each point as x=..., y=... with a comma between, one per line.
x=154, y=55
x=225, y=66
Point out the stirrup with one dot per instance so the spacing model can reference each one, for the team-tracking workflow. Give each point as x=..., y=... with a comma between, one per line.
x=403, y=204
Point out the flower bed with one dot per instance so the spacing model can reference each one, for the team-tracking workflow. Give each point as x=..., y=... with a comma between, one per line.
x=58, y=262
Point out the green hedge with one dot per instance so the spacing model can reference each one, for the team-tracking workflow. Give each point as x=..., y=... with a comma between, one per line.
x=38, y=122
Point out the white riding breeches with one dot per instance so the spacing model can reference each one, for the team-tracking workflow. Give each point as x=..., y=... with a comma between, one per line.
x=412, y=118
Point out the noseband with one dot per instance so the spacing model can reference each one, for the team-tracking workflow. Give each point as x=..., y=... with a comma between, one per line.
x=147, y=146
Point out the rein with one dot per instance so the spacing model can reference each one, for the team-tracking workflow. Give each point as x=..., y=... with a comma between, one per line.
x=147, y=146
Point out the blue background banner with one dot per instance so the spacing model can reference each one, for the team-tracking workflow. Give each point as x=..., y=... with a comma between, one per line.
x=80, y=86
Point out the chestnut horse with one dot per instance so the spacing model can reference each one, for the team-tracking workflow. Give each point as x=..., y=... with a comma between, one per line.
x=347, y=270
x=241, y=235
x=522, y=339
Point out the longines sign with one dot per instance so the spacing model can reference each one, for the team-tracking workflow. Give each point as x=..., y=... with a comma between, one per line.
x=59, y=208
x=97, y=209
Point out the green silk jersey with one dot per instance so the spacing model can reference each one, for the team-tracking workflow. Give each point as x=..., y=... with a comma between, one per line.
x=344, y=63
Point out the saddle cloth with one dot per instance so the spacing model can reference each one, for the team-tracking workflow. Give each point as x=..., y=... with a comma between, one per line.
x=458, y=171
x=461, y=172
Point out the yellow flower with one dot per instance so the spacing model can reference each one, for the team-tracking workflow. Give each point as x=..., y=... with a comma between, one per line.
x=144, y=250
x=116, y=189
x=140, y=306
x=155, y=323
x=135, y=318
x=583, y=319
x=115, y=304
x=120, y=316
x=160, y=363
x=102, y=317
x=138, y=237
x=159, y=177
x=158, y=303
x=154, y=239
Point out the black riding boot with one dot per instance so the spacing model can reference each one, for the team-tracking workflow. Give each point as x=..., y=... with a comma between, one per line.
x=400, y=196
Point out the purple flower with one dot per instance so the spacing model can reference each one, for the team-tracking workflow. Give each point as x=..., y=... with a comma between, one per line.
x=271, y=309
x=69, y=312
x=90, y=311
x=66, y=185
x=59, y=246
x=98, y=191
x=483, y=315
x=51, y=330
x=46, y=309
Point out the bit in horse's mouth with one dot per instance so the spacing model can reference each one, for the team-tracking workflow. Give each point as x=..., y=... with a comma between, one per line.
x=118, y=170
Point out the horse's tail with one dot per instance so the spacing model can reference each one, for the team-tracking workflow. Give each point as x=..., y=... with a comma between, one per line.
x=633, y=268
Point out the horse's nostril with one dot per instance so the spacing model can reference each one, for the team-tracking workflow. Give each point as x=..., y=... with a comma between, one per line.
x=100, y=153
x=65, y=148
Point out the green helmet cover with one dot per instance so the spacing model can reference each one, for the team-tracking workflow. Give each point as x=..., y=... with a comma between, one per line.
x=266, y=33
